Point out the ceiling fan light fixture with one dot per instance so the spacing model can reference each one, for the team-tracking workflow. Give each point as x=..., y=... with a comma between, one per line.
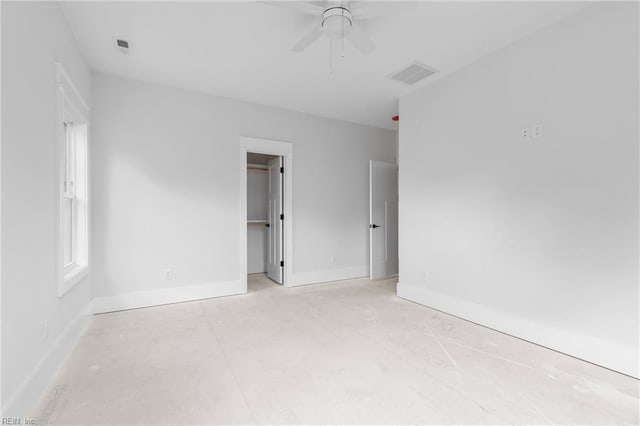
x=336, y=22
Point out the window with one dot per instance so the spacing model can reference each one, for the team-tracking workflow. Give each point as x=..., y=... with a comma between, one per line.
x=72, y=185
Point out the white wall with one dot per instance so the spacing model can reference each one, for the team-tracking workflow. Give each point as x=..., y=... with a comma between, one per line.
x=34, y=37
x=166, y=190
x=257, y=189
x=539, y=238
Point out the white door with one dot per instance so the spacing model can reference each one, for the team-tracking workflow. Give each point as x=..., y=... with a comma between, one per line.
x=275, y=261
x=383, y=219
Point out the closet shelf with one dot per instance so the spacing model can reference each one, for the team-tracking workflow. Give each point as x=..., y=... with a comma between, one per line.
x=256, y=221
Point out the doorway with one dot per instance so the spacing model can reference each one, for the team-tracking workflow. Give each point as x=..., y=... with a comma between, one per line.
x=266, y=215
x=383, y=220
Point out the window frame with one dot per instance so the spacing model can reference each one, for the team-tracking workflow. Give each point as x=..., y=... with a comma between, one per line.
x=72, y=181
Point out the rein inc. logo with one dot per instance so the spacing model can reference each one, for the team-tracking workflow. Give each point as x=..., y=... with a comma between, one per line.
x=18, y=421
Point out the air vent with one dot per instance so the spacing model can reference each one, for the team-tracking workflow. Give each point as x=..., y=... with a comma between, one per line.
x=413, y=73
x=123, y=44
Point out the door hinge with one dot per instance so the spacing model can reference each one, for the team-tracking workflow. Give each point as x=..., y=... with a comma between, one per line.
x=282, y=263
x=281, y=169
x=282, y=216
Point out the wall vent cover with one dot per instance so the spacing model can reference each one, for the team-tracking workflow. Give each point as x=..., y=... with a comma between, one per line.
x=413, y=73
x=123, y=44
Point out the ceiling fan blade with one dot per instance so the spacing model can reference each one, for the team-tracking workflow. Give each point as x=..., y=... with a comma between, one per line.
x=360, y=39
x=308, y=39
x=306, y=8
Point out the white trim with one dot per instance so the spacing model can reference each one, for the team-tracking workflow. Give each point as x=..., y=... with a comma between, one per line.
x=623, y=359
x=165, y=296
x=72, y=278
x=30, y=392
x=270, y=147
x=304, y=278
x=69, y=95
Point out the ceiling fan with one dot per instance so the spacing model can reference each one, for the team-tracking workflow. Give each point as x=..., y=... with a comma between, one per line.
x=335, y=19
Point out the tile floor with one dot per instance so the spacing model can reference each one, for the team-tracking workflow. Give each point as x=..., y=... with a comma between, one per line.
x=344, y=352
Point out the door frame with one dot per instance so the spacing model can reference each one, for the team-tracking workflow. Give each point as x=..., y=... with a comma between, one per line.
x=269, y=147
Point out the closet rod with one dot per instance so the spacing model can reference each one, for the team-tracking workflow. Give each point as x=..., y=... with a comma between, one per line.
x=257, y=167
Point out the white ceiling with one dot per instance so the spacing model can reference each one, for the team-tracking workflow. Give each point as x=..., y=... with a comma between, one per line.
x=241, y=50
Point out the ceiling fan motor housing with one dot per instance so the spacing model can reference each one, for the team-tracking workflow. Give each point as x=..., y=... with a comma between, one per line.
x=336, y=21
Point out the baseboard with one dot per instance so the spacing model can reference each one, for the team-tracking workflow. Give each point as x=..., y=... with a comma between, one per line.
x=34, y=386
x=610, y=355
x=304, y=278
x=144, y=299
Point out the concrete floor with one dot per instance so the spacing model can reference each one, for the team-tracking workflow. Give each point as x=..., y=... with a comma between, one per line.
x=344, y=352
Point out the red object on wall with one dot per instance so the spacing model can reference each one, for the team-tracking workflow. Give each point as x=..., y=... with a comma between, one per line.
x=396, y=118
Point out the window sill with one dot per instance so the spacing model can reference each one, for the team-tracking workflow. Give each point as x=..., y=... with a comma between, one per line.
x=72, y=277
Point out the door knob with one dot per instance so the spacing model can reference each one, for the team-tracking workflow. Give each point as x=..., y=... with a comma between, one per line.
x=374, y=226
x=268, y=225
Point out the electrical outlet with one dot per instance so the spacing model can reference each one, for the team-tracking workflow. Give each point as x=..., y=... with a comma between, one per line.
x=525, y=134
x=426, y=276
x=45, y=328
x=168, y=274
x=537, y=130
x=332, y=259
